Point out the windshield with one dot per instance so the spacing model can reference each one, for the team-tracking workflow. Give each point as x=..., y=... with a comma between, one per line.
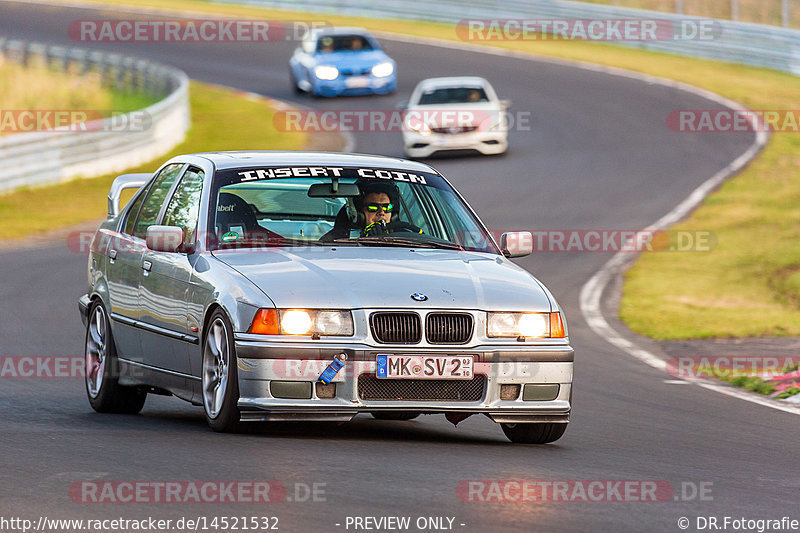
x=453, y=95
x=259, y=206
x=343, y=43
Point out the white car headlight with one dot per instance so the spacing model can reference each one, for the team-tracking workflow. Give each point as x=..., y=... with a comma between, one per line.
x=381, y=70
x=334, y=323
x=295, y=322
x=326, y=72
x=537, y=325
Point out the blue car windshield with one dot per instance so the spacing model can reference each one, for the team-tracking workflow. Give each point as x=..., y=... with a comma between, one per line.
x=275, y=205
x=343, y=43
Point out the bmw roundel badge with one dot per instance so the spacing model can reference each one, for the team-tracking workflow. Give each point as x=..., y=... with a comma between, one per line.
x=418, y=297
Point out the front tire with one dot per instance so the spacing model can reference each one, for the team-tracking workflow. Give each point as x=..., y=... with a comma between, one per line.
x=220, y=379
x=105, y=393
x=533, y=433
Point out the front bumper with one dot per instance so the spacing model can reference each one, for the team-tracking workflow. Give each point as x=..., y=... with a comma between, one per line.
x=348, y=85
x=260, y=364
x=485, y=142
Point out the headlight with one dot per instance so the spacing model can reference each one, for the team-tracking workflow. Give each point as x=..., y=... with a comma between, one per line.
x=326, y=72
x=381, y=70
x=302, y=322
x=537, y=325
x=295, y=322
x=420, y=127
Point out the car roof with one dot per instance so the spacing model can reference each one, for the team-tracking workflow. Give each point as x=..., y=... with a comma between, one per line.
x=454, y=81
x=246, y=158
x=340, y=30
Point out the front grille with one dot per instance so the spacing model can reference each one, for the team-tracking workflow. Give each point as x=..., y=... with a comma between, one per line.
x=455, y=129
x=396, y=328
x=448, y=328
x=355, y=72
x=372, y=388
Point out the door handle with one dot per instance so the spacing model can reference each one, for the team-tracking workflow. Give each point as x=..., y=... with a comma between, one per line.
x=147, y=265
x=112, y=255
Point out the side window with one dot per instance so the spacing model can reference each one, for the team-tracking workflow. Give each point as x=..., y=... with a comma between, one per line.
x=155, y=198
x=184, y=207
x=133, y=211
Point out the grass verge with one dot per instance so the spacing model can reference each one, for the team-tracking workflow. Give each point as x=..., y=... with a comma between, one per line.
x=221, y=120
x=758, y=11
x=750, y=284
x=37, y=87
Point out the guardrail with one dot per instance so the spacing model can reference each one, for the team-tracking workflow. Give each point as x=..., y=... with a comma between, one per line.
x=737, y=42
x=108, y=144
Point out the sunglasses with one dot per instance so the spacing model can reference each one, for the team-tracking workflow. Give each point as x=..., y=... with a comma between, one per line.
x=373, y=207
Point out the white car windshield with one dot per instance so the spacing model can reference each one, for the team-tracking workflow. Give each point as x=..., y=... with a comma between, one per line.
x=453, y=95
x=259, y=205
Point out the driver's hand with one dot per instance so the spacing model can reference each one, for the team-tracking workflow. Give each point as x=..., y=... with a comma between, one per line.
x=374, y=230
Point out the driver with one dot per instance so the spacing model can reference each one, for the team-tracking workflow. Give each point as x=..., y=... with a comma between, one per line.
x=376, y=206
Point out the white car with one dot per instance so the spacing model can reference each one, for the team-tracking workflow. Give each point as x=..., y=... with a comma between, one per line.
x=459, y=113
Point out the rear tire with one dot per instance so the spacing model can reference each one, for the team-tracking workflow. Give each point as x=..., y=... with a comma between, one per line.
x=533, y=433
x=220, y=380
x=105, y=393
x=394, y=415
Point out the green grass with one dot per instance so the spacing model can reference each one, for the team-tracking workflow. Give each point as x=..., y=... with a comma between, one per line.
x=749, y=285
x=37, y=87
x=221, y=120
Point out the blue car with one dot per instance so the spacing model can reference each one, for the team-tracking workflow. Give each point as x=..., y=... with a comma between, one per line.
x=341, y=61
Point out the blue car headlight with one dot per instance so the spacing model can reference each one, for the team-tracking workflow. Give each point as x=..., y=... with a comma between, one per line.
x=382, y=70
x=326, y=72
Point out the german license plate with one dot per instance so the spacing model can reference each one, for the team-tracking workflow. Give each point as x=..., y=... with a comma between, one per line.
x=357, y=81
x=390, y=366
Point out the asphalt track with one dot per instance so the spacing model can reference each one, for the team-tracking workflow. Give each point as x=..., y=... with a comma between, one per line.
x=599, y=156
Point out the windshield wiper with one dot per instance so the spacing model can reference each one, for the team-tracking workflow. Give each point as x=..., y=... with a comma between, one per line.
x=400, y=241
x=267, y=243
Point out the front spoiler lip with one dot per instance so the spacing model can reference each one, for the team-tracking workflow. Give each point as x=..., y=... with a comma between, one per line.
x=254, y=411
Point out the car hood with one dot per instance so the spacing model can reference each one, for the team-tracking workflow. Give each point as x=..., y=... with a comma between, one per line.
x=370, y=277
x=366, y=59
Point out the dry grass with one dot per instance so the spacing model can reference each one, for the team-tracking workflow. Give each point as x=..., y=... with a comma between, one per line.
x=37, y=87
x=758, y=11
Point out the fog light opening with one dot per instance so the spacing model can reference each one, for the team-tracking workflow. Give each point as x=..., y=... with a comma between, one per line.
x=325, y=391
x=509, y=392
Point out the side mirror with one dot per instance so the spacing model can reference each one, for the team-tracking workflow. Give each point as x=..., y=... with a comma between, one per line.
x=505, y=104
x=126, y=181
x=516, y=243
x=164, y=238
x=402, y=105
